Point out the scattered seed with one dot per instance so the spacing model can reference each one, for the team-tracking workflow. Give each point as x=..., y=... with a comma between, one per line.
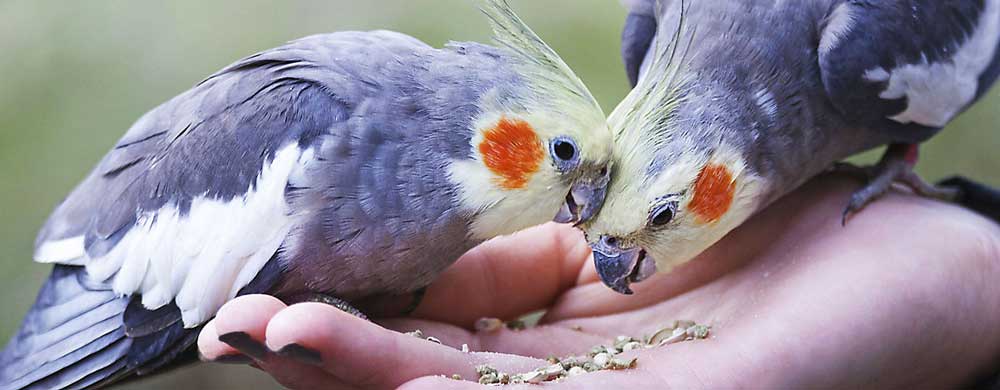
x=676, y=336
x=484, y=369
x=434, y=340
x=488, y=324
x=618, y=363
x=516, y=325
x=630, y=346
x=534, y=377
x=554, y=370
x=488, y=379
x=416, y=333
x=600, y=357
x=465, y=348
x=456, y=377
x=698, y=331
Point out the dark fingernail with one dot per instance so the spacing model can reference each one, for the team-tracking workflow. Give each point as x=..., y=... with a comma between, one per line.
x=246, y=344
x=233, y=358
x=300, y=353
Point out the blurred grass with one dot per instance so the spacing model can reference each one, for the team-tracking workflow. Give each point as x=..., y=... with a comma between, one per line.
x=75, y=75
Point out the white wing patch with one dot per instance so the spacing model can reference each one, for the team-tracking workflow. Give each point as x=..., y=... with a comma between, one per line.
x=201, y=259
x=936, y=92
x=838, y=24
x=66, y=251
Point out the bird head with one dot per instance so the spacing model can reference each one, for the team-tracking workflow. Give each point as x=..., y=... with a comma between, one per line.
x=543, y=154
x=679, y=184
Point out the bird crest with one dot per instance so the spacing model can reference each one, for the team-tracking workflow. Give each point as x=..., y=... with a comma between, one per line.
x=643, y=120
x=554, y=82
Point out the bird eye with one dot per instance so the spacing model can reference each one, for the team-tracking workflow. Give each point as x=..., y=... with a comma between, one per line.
x=663, y=215
x=564, y=149
x=565, y=153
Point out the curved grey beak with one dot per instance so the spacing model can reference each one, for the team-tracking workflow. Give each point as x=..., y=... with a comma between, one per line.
x=585, y=198
x=617, y=267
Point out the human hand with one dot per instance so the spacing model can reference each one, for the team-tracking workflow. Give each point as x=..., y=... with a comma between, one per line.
x=903, y=296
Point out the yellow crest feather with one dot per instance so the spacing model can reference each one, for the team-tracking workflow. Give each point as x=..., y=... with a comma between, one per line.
x=642, y=121
x=549, y=74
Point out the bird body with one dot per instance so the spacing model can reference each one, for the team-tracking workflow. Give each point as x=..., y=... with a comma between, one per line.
x=736, y=103
x=352, y=164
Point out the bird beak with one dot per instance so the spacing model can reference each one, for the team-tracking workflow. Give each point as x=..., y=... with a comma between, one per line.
x=585, y=198
x=618, y=268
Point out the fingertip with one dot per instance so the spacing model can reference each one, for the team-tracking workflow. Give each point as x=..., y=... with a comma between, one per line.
x=305, y=324
x=209, y=346
x=358, y=351
x=511, y=276
x=248, y=313
x=576, y=255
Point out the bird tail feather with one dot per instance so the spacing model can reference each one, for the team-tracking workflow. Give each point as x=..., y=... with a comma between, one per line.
x=976, y=196
x=73, y=336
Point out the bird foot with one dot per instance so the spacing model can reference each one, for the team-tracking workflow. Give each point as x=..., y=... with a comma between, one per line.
x=329, y=300
x=895, y=167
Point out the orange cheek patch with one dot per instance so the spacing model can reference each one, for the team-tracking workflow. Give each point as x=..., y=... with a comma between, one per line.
x=713, y=193
x=512, y=151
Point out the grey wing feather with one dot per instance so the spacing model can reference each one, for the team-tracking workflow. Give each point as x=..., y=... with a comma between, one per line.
x=212, y=140
x=208, y=142
x=865, y=37
x=637, y=35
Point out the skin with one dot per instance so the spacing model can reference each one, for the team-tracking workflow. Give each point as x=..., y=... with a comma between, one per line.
x=903, y=296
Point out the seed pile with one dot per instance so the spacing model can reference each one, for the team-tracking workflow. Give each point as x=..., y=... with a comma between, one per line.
x=488, y=324
x=600, y=357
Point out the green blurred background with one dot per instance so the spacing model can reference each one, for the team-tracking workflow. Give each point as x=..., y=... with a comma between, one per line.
x=75, y=75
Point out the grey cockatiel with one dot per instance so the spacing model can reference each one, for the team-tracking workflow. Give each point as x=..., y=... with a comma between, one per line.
x=353, y=164
x=737, y=102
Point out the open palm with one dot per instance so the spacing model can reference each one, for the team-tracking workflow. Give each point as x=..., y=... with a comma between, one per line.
x=904, y=296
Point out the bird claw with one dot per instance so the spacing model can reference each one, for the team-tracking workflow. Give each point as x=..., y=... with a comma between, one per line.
x=329, y=300
x=925, y=189
x=881, y=179
x=894, y=167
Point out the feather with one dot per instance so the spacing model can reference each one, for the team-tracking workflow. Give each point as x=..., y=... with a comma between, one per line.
x=554, y=81
x=642, y=121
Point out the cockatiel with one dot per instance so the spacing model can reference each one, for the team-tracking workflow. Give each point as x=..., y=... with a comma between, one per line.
x=736, y=103
x=352, y=164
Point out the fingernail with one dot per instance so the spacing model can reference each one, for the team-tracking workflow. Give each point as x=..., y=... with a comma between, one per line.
x=300, y=353
x=244, y=343
x=233, y=358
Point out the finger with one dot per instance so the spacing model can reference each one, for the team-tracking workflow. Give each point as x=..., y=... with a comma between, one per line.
x=297, y=375
x=210, y=349
x=241, y=326
x=508, y=276
x=241, y=323
x=363, y=354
